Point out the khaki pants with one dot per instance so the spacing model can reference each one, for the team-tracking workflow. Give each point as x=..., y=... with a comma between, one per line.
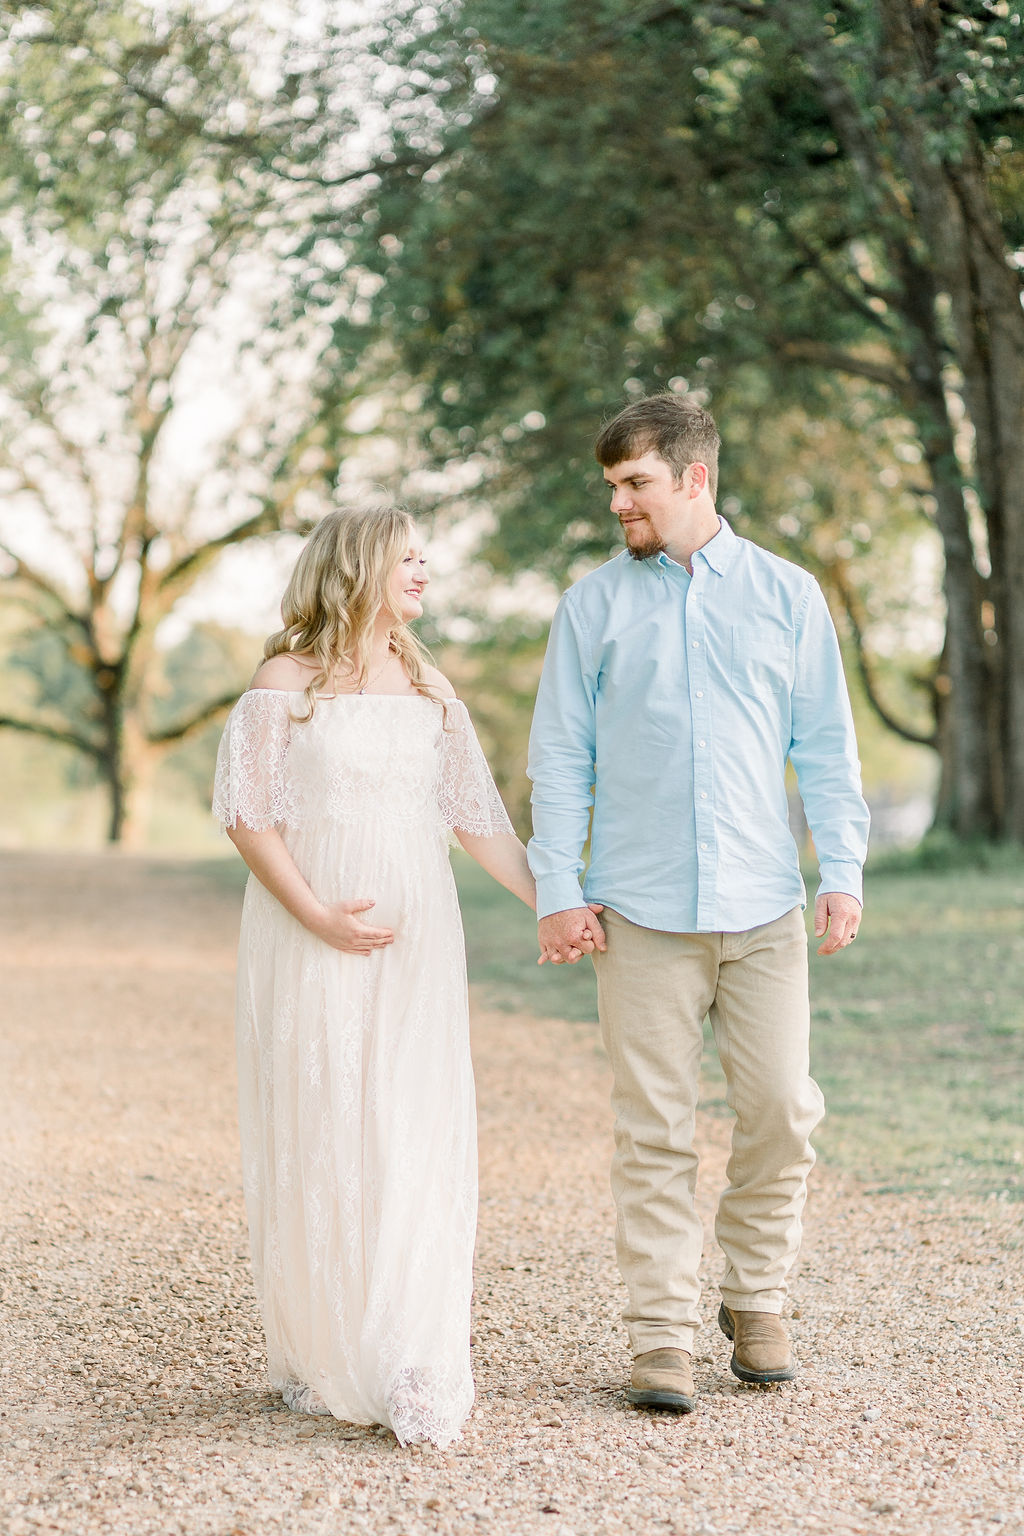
x=654, y=990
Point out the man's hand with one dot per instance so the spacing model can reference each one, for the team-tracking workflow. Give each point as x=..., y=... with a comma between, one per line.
x=566, y=936
x=839, y=916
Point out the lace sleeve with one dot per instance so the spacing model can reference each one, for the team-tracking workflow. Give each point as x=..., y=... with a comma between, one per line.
x=468, y=795
x=250, y=784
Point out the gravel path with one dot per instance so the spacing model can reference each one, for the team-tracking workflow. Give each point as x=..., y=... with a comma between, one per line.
x=132, y=1397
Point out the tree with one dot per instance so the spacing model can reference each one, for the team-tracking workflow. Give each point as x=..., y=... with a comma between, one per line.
x=797, y=208
x=162, y=400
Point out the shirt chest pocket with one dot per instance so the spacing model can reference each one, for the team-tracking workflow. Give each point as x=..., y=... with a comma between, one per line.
x=762, y=661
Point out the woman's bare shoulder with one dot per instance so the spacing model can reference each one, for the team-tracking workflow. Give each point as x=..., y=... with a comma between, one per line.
x=287, y=672
x=438, y=682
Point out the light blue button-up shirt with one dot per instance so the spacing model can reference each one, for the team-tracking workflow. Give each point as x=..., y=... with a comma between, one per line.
x=667, y=709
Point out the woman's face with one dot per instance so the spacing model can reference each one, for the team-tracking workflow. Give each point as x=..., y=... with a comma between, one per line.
x=408, y=580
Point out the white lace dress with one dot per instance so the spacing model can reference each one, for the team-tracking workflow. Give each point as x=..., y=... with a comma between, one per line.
x=357, y=1112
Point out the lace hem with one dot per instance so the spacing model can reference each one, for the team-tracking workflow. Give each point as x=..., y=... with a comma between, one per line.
x=416, y=1412
x=302, y=1399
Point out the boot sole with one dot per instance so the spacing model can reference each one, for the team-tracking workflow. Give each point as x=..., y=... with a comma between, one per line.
x=755, y=1378
x=674, y=1402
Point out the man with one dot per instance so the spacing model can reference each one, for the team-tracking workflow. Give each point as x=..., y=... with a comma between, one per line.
x=679, y=678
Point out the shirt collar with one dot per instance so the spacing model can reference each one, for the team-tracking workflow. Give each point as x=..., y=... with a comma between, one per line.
x=718, y=553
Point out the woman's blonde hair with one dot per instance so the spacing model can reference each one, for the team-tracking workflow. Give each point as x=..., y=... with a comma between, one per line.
x=337, y=591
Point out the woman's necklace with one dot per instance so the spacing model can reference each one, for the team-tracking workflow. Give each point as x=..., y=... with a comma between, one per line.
x=380, y=670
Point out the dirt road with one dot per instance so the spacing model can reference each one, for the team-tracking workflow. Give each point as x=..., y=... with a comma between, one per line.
x=132, y=1396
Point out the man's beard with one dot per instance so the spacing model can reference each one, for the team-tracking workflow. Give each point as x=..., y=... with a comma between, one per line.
x=647, y=545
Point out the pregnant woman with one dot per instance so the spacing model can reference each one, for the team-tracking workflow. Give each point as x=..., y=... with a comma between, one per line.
x=342, y=773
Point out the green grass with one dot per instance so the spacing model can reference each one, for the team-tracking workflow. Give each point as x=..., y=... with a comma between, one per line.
x=919, y=1034
x=918, y=1039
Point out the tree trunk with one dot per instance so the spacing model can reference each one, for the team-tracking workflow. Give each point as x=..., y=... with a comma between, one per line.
x=115, y=801
x=989, y=322
x=140, y=761
x=111, y=761
x=965, y=683
x=949, y=250
x=968, y=266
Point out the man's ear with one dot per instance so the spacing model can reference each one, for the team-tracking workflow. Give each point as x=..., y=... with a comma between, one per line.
x=698, y=477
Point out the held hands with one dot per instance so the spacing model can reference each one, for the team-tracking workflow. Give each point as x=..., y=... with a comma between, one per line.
x=839, y=916
x=564, y=937
x=340, y=926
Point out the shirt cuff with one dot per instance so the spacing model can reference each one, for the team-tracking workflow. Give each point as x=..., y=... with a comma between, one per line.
x=844, y=876
x=558, y=893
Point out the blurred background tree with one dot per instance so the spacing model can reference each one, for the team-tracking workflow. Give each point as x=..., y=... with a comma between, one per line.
x=163, y=399
x=252, y=264
x=811, y=215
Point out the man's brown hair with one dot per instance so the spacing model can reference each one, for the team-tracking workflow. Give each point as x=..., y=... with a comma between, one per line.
x=674, y=426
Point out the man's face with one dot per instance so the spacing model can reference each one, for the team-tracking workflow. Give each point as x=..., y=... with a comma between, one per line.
x=648, y=501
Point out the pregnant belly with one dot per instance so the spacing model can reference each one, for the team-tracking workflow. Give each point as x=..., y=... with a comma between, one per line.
x=390, y=905
x=404, y=874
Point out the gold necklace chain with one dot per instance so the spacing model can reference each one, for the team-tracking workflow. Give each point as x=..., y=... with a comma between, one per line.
x=379, y=672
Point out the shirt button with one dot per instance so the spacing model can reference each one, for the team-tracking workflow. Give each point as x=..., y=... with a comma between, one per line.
x=701, y=743
x=696, y=645
x=704, y=845
x=700, y=693
x=703, y=794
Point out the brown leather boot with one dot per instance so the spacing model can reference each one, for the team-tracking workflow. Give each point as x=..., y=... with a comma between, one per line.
x=760, y=1348
x=662, y=1379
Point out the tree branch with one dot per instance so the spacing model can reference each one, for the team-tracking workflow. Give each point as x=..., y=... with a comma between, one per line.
x=726, y=12
x=188, y=122
x=23, y=571
x=854, y=613
x=73, y=453
x=189, y=727
x=379, y=167
x=149, y=422
x=27, y=483
x=267, y=520
x=258, y=145
x=816, y=259
x=53, y=733
x=824, y=356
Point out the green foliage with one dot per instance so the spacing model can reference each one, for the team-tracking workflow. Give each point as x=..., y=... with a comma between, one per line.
x=58, y=687
x=744, y=202
x=207, y=663
x=641, y=201
x=562, y=206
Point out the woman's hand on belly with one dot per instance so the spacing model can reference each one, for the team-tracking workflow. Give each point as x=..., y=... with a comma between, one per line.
x=337, y=923
x=340, y=925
